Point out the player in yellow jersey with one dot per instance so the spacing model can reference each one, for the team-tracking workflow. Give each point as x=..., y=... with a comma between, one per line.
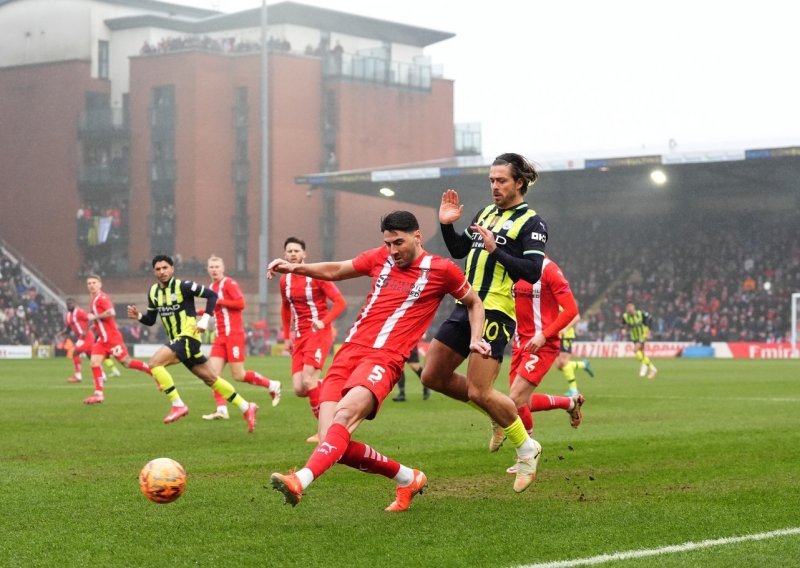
x=173, y=301
x=568, y=367
x=638, y=324
x=504, y=243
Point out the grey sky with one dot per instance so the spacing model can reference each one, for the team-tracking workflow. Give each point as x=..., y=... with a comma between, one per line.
x=581, y=78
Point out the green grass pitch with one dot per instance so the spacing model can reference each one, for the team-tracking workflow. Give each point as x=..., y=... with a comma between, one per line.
x=710, y=449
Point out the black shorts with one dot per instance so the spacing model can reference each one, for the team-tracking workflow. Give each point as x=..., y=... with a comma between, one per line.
x=414, y=357
x=498, y=329
x=566, y=346
x=188, y=351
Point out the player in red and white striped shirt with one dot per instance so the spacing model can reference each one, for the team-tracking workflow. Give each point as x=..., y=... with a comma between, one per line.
x=229, y=338
x=307, y=323
x=543, y=310
x=408, y=286
x=76, y=320
x=109, y=342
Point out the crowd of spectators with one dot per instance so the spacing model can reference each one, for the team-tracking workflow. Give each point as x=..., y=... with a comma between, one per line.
x=207, y=43
x=703, y=277
x=723, y=277
x=25, y=317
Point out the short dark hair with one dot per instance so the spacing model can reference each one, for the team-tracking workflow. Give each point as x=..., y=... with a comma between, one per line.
x=164, y=258
x=399, y=221
x=296, y=241
x=521, y=168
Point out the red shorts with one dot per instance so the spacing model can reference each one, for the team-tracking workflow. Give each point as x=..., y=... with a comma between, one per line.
x=86, y=347
x=311, y=348
x=115, y=348
x=355, y=365
x=531, y=366
x=230, y=347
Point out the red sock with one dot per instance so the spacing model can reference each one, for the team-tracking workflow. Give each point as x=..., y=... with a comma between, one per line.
x=76, y=361
x=139, y=366
x=526, y=417
x=254, y=378
x=313, y=400
x=363, y=458
x=97, y=374
x=541, y=402
x=219, y=399
x=329, y=451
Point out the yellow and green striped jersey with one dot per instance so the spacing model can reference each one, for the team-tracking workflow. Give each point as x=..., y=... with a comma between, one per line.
x=174, y=303
x=518, y=231
x=637, y=324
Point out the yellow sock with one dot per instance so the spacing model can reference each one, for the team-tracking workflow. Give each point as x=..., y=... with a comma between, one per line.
x=167, y=384
x=640, y=355
x=646, y=360
x=569, y=373
x=516, y=432
x=478, y=408
x=109, y=364
x=578, y=364
x=226, y=390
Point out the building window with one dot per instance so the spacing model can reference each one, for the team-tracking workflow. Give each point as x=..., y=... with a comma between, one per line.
x=102, y=59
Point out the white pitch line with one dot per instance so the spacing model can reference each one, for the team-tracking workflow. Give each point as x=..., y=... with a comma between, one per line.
x=715, y=398
x=663, y=550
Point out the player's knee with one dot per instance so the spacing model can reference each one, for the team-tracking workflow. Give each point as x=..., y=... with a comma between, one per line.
x=430, y=379
x=520, y=399
x=479, y=396
x=348, y=414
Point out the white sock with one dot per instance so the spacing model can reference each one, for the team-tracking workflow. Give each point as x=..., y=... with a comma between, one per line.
x=178, y=402
x=405, y=476
x=305, y=476
x=244, y=405
x=222, y=409
x=527, y=449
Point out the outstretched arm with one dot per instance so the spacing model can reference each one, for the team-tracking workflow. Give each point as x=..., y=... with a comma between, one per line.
x=342, y=270
x=147, y=319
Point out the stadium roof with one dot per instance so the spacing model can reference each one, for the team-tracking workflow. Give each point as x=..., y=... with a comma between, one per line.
x=168, y=8
x=287, y=13
x=422, y=182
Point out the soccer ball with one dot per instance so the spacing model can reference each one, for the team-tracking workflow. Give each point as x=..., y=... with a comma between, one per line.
x=162, y=480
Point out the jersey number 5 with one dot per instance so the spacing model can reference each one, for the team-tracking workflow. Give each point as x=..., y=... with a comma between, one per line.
x=376, y=375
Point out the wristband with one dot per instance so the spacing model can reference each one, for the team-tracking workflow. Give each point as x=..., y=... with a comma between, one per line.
x=202, y=323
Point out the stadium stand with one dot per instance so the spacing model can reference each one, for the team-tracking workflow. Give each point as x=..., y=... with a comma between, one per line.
x=26, y=317
x=730, y=281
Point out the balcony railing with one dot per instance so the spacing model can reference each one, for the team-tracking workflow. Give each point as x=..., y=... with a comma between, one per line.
x=378, y=70
x=104, y=121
